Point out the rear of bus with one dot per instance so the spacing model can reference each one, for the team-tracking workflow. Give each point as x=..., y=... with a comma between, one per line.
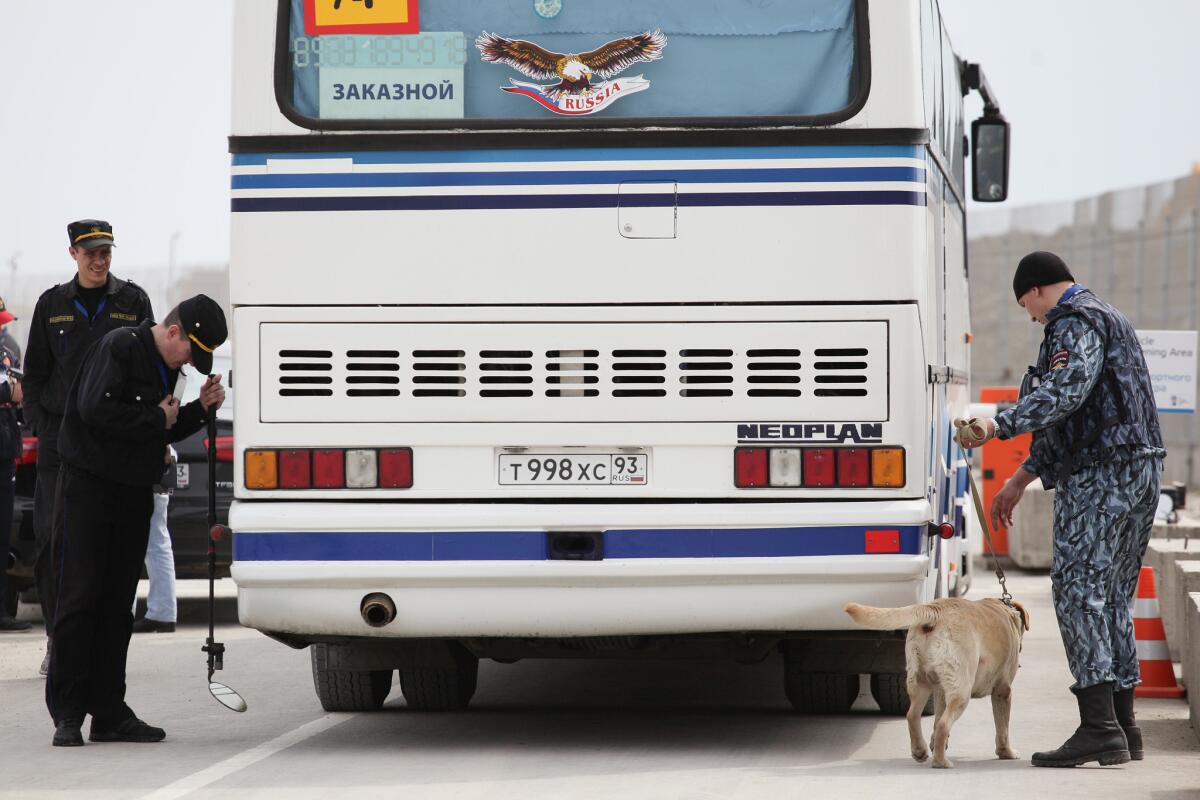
x=587, y=328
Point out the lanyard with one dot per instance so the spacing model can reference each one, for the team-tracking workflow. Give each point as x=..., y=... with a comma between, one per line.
x=162, y=373
x=83, y=309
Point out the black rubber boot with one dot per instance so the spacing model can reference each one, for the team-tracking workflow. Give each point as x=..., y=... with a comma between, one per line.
x=1098, y=737
x=1123, y=705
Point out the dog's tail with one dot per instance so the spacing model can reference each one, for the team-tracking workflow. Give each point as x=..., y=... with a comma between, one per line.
x=890, y=619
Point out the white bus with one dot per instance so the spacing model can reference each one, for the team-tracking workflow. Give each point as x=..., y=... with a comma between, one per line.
x=598, y=328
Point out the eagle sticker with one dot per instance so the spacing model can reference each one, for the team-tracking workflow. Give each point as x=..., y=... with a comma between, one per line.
x=1059, y=359
x=574, y=94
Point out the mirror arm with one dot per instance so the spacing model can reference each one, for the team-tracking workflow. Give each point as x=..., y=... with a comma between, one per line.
x=974, y=79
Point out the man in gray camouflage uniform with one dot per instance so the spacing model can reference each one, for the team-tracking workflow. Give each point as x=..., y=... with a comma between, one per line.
x=1096, y=440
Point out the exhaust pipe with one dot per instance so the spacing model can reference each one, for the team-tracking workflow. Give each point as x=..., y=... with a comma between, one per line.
x=377, y=609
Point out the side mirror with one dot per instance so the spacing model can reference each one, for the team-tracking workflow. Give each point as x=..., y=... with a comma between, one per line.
x=989, y=159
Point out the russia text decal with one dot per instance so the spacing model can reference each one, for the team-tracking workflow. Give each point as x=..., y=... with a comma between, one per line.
x=574, y=93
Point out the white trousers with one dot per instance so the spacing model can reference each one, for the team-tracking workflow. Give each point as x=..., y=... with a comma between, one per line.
x=160, y=566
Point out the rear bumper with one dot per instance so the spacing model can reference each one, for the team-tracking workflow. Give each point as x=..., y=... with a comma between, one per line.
x=473, y=570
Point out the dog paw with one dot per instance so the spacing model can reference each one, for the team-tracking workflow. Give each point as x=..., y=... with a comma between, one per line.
x=920, y=755
x=944, y=763
x=1008, y=753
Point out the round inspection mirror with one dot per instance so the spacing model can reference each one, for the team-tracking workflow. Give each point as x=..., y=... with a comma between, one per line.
x=226, y=696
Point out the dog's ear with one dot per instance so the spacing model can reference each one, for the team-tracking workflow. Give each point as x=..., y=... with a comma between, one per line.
x=1024, y=614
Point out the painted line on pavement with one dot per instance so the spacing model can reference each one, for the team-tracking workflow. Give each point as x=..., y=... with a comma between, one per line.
x=208, y=775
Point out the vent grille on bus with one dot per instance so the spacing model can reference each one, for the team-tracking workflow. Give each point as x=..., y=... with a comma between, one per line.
x=702, y=372
x=438, y=373
x=639, y=373
x=825, y=370
x=706, y=373
x=305, y=373
x=572, y=373
x=773, y=372
x=840, y=372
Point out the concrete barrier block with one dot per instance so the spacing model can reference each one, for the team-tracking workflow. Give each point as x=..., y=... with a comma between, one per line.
x=1031, y=537
x=1163, y=556
x=1191, y=659
x=1186, y=528
x=1186, y=580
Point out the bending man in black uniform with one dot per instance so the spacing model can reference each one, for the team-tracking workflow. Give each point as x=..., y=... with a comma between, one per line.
x=67, y=320
x=120, y=416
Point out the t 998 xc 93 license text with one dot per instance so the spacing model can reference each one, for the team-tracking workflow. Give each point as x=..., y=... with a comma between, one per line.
x=575, y=469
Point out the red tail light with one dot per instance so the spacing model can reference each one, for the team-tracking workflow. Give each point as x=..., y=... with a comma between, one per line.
x=224, y=448
x=395, y=468
x=750, y=467
x=819, y=467
x=329, y=469
x=854, y=467
x=295, y=469
x=29, y=449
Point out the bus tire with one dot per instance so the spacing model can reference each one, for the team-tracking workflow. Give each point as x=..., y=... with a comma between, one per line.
x=891, y=693
x=348, y=690
x=820, y=692
x=441, y=689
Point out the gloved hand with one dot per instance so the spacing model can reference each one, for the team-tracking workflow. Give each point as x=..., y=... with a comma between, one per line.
x=973, y=432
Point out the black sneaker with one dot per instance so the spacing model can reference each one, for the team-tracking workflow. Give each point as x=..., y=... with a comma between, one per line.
x=131, y=730
x=147, y=625
x=67, y=733
x=10, y=625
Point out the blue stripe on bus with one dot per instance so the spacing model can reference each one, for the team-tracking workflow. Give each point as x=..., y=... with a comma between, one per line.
x=531, y=545
x=590, y=154
x=342, y=180
x=609, y=200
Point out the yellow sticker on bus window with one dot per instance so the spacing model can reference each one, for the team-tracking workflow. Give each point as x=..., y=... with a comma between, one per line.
x=386, y=17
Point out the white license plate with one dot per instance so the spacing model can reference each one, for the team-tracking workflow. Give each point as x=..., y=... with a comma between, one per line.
x=573, y=469
x=181, y=476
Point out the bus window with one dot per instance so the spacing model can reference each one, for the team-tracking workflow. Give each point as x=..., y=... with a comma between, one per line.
x=553, y=61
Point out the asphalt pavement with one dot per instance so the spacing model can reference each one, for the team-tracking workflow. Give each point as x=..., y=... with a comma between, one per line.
x=563, y=729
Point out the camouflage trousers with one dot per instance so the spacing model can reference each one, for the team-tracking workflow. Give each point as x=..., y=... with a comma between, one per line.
x=1102, y=520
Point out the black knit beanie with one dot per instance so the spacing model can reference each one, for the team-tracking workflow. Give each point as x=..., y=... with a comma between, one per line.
x=1039, y=268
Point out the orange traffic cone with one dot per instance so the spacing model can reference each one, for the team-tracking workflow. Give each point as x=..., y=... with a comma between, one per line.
x=1158, y=676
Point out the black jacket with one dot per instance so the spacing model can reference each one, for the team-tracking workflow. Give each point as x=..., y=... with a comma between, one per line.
x=61, y=333
x=113, y=427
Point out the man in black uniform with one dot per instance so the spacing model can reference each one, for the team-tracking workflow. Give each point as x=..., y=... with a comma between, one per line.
x=66, y=321
x=119, y=418
x=10, y=450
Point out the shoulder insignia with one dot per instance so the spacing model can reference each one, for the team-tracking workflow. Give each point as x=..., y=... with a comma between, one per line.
x=1059, y=359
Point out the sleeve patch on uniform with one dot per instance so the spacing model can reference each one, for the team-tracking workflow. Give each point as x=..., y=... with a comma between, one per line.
x=1059, y=359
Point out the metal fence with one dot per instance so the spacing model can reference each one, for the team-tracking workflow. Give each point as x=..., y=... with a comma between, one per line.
x=1137, y=248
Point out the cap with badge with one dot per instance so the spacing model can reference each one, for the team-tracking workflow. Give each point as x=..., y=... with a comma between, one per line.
x=6, y=316
x=90, y=234
x=203, y=323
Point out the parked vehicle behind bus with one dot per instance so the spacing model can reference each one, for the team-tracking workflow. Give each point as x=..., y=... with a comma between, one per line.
x=598, y=329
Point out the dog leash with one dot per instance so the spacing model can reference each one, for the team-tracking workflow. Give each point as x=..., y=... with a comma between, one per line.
x=1005, y=597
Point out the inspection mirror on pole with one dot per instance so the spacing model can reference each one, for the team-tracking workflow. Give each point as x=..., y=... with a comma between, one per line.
x=215, y=650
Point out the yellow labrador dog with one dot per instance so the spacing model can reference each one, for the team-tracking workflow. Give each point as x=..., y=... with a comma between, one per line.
x=956, y=649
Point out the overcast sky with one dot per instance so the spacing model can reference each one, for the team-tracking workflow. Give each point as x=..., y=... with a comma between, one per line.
x=120, y=110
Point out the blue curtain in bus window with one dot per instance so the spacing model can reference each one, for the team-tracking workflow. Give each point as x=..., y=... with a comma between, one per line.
x=725, y=58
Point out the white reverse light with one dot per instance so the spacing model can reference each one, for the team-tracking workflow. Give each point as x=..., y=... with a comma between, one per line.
x=362, y=472
x=785, y=466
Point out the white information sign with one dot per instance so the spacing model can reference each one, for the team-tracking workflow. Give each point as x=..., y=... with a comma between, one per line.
x=1171, y=358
